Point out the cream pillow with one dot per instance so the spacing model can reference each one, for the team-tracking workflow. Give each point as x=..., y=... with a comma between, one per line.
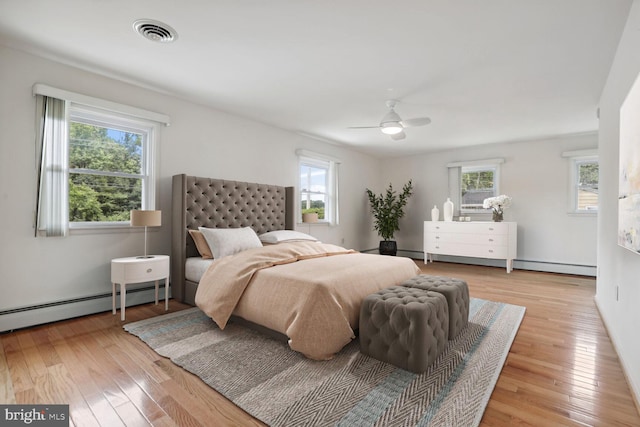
x=228, y=241
x=279, y=236
x=201, y=244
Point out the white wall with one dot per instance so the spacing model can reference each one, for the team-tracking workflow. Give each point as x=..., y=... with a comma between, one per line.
x=200, y=141
x=534, y=174
x=618, y=267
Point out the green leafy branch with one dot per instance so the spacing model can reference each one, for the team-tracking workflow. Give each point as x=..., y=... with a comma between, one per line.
x=388, y=208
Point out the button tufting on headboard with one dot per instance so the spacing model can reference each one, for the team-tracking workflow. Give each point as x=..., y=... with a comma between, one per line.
x=217, y=203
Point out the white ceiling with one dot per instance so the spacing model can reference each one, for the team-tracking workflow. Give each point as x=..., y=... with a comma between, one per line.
x=483, y=71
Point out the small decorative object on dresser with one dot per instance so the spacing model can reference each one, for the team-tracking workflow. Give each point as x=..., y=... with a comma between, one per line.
x=447, y=210
x=497, y=205
x=435, y=213
x=477, y=239
x=139, y=270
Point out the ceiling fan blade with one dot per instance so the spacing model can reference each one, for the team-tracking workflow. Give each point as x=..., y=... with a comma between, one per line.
x=418, y=121
x=398, y=136
x=363, y=127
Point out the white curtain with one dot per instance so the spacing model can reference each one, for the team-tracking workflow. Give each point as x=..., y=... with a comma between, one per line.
x=335, y=206
x=52, y=218
x=454, y=188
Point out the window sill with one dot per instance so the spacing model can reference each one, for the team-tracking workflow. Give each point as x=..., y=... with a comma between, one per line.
x=579, y=214
x=106, y=228
x=314, y=224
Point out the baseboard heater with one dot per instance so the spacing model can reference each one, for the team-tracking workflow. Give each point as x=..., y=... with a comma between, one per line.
x=37, y=314
x=519, y=264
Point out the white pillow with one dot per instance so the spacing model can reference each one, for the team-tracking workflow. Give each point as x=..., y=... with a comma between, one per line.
x=229, y=241
x=273, y=237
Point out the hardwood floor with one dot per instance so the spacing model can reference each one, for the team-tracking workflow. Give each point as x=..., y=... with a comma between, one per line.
x=561, y=370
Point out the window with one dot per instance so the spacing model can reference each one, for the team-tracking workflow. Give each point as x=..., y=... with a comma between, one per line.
x=476, y=184
x=110, y=166
x=318, y=186
x=583, y=182
x=470, y=182
x=584, y=190
x=96, y=161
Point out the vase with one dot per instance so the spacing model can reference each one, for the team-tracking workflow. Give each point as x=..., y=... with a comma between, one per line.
x=447, y=210
x=435, y=213
x=388, y=247
x=498, y=216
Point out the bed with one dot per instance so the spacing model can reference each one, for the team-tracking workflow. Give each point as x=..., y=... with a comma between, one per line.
x=306, y=292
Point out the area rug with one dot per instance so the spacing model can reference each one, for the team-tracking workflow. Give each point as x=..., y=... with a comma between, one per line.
x=282, y=388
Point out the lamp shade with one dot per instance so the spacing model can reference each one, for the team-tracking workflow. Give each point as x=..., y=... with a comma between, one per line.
x=146, y=218
x=310, y=217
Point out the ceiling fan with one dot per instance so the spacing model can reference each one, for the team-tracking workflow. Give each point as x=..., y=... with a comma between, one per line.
x=392, y=124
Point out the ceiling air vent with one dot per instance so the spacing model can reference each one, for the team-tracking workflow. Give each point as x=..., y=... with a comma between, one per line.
x=155, y=31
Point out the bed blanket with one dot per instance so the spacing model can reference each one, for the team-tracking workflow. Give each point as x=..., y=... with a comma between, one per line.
x=224, y=282
x=309, y=291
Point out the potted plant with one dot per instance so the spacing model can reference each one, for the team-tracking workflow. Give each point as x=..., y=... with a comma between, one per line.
x=387, y=210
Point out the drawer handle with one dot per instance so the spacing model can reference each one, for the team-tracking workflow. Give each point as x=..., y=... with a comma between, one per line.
x=437, y=227
x=149, y=270
x=491, y=240
x=490, y=228
x=437, y=247
x=437, y=237
x=490, y=250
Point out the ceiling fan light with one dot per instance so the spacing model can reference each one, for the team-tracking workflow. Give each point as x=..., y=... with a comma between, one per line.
x=391, y=128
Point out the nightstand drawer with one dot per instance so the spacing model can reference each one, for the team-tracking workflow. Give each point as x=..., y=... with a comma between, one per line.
x=129, y=270
x=140, y=270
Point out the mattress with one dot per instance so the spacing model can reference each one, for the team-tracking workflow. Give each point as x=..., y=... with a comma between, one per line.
x=195, y=268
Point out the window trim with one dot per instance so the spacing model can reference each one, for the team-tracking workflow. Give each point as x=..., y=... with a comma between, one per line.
x=577, y=158
x=496, y=185
x=128, y=115
x=124, y=122
x=455, y=181
x=331, y=165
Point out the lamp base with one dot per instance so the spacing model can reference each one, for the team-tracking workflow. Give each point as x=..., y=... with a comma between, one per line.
x=145, y=256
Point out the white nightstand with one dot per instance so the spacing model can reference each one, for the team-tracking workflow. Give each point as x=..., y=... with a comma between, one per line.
x=138, y=270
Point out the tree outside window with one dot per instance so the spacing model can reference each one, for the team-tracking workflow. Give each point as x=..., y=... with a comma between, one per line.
x=313, y=189
x=477, y=184
x=105, y=180
x=586, y=198
x=109, y=166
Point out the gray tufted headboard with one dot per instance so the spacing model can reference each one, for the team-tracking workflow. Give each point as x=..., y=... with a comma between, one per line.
x=206, y=202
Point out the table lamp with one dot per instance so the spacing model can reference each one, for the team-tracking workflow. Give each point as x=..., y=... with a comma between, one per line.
x=140, y=218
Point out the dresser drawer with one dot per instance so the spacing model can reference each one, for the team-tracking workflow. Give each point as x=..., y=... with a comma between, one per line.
x=476, y=239
x=474, y=228
x=470, y=250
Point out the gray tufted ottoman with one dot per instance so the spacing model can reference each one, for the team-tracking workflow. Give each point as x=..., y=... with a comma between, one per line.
x=455, y=291
x=407, y=327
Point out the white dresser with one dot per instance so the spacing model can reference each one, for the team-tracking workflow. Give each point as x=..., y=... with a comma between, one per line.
x=479, y=239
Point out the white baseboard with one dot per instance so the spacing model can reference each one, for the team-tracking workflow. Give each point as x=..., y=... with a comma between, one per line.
x=635, y=388
x=548, y=267
x=62, y=310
